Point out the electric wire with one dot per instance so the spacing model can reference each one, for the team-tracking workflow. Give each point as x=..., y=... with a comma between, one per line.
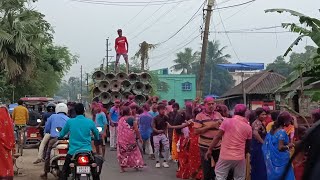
x=134, y=2
x=228, y=36
x=236, y=5
x=168, y=52
x=173, y=35
x=131, y=20
x=147, y=19
x=177, y=49
x=249, y=32
x=128, y=5
x=157, y=20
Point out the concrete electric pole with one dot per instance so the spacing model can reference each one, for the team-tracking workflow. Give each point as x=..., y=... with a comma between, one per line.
x=80, y=85
x=204, y=48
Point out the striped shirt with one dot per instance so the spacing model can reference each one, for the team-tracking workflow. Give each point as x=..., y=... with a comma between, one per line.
x=203, y=119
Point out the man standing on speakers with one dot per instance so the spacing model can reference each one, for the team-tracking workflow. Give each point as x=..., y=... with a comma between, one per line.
x=121, y=46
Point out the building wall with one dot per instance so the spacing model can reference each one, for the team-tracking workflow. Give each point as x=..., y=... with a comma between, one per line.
x=175, y=89
x=237, y=76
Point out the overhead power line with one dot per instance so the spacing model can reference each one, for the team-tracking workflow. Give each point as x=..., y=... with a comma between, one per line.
x=228, y=36
x=236, y=5
x=250, y=32
x=134, y=2
x=174, y=51
x=192, y=18
x=149, y=17
x=128, y=5
x=168, y=52
x=155, y=21
x=131, y=20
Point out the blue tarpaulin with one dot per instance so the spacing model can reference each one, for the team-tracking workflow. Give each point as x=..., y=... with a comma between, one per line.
x=242, y=66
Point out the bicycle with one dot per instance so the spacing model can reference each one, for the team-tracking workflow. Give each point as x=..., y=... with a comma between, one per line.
x=20, y=132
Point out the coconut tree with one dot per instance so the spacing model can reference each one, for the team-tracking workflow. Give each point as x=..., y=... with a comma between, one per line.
x=143, y=54
x=215, y=56
x=184, y=61
x=22, y=32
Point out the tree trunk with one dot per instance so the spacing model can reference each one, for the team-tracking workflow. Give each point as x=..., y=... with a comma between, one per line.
x=210, y=81
x=142, y=64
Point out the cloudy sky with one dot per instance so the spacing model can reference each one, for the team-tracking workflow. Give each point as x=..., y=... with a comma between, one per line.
x=84, y=25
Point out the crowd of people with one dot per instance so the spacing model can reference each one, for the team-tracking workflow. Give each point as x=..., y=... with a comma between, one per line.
x=204, y=139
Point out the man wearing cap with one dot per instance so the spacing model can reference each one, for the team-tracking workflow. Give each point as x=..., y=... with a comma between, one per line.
x=207, y=125
x=121, y=47
x=114, y=116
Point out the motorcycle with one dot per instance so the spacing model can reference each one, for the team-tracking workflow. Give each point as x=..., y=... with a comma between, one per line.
x=58, y=155
x=85, y=165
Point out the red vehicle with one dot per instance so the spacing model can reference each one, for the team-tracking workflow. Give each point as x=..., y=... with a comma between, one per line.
x=36, y=106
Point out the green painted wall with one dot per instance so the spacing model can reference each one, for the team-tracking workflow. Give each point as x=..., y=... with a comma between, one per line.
x=175, y=90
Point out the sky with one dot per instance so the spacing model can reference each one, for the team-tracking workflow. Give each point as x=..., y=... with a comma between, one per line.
x=84, y=28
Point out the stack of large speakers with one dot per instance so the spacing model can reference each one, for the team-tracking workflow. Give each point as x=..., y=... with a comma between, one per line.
x=109, y=87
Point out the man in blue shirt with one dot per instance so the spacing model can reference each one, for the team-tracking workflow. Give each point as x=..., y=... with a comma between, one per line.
x=54, y=121
x=114, y=114
x=80, y=129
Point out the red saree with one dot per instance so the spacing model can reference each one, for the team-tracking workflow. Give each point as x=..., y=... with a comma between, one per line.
x=6, y=144
x=189, y=158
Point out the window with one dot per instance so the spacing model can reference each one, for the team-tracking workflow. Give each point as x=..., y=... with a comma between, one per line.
x=186, y=86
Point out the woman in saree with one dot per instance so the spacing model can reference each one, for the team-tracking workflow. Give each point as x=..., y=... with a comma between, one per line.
x=6, y=145
x=276, y=149
x=128, y=153
x=189, y=155
x=258, y=167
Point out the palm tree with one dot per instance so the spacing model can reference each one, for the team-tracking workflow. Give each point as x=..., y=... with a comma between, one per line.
x=215, y=53
x=184, y=61
x=215, y=56
x=22, y=32
x=143, y=53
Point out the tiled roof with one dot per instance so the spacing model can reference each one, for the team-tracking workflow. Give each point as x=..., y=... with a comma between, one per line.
x=261, y=83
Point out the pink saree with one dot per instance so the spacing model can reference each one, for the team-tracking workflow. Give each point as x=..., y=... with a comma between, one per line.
x=128, y=152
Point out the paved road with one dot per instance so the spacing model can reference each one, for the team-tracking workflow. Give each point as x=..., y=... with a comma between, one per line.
x=110, y=169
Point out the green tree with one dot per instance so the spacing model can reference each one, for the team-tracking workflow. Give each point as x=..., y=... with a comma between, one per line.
x=143, y=53
x=216, y=80
x=184, y=61
x=51, y=65
x=280, y=66
x=32, y=65
x=298, y=58
x=22, y=33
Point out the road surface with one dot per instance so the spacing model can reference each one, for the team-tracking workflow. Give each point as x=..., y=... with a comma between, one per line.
x=110, y=169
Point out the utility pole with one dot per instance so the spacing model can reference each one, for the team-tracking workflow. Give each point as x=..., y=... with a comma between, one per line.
x=87, y=83
x=81, y=85
x=107, y=53
x=204, y=48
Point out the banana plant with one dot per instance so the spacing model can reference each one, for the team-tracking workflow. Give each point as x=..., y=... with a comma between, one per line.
x=310, y=67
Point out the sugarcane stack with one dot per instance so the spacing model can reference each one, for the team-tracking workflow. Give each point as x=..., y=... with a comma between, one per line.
x=109, y=87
